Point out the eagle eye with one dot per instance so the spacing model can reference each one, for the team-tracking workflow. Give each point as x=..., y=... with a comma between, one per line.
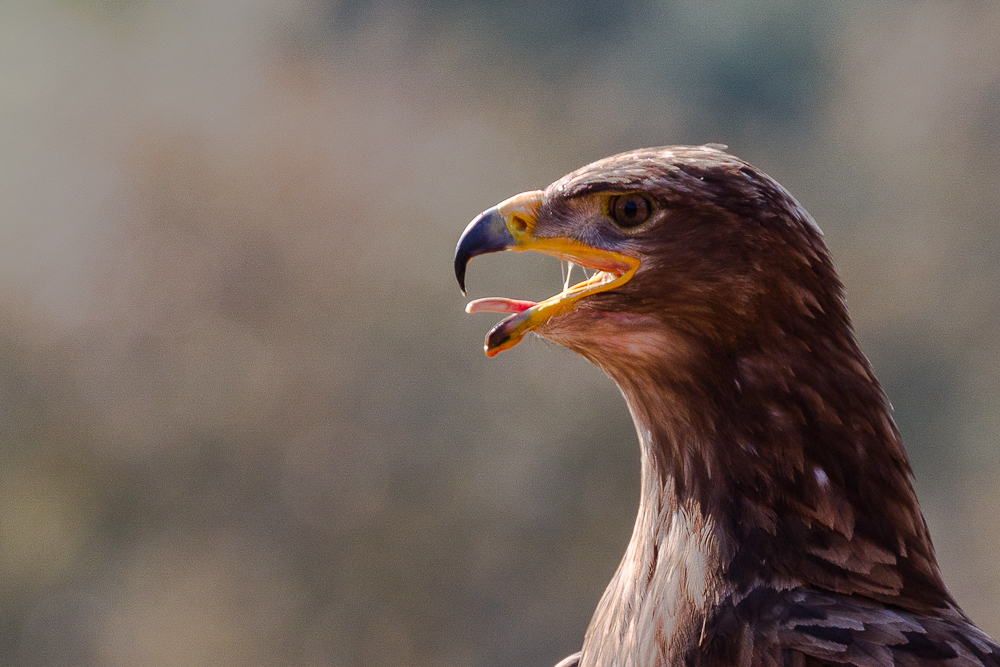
x=630, y=210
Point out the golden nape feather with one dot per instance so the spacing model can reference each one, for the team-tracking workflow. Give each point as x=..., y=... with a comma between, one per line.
x=777, y=522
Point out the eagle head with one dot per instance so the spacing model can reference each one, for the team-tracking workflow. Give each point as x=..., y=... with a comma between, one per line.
x=695, y=251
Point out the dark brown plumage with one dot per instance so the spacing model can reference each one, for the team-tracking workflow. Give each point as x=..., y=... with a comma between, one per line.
x=777, y=523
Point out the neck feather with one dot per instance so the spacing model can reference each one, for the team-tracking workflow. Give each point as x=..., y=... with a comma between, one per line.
x=668, y=580
x=777, y=466
x=791, y=453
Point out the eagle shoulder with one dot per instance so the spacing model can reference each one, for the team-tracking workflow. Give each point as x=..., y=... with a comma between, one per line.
x=805, y=627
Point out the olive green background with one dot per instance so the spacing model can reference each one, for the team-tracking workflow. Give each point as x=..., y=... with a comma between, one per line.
x=243, y=417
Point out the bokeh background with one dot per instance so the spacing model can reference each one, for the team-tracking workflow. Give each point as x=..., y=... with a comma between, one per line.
x=243, y=417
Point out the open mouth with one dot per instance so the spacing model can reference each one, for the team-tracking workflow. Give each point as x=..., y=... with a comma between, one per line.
x=529, y=315
x=504, y=305
x=510, y=226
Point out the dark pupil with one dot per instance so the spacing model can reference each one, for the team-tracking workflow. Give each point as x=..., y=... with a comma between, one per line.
x=631, y=211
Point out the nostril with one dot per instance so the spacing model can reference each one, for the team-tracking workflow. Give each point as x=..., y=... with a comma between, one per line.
x=518, y=225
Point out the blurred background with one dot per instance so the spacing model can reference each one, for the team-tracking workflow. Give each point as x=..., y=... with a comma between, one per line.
x=243, y=417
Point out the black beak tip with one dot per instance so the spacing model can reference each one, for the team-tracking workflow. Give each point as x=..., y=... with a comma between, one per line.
x=460, y=264
x=487, y=233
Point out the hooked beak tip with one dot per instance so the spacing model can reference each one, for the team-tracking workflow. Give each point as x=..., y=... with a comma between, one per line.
x=487, y=233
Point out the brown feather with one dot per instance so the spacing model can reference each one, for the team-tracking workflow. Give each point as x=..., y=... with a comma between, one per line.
x=778, y=523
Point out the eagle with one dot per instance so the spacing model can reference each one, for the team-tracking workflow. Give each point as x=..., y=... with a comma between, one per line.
x=777, y=522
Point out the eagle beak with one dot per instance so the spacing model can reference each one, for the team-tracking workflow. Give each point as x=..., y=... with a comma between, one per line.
x=506, y=226
x=510, y=225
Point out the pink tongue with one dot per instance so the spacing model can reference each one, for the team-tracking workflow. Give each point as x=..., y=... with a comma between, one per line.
x=498, y=305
